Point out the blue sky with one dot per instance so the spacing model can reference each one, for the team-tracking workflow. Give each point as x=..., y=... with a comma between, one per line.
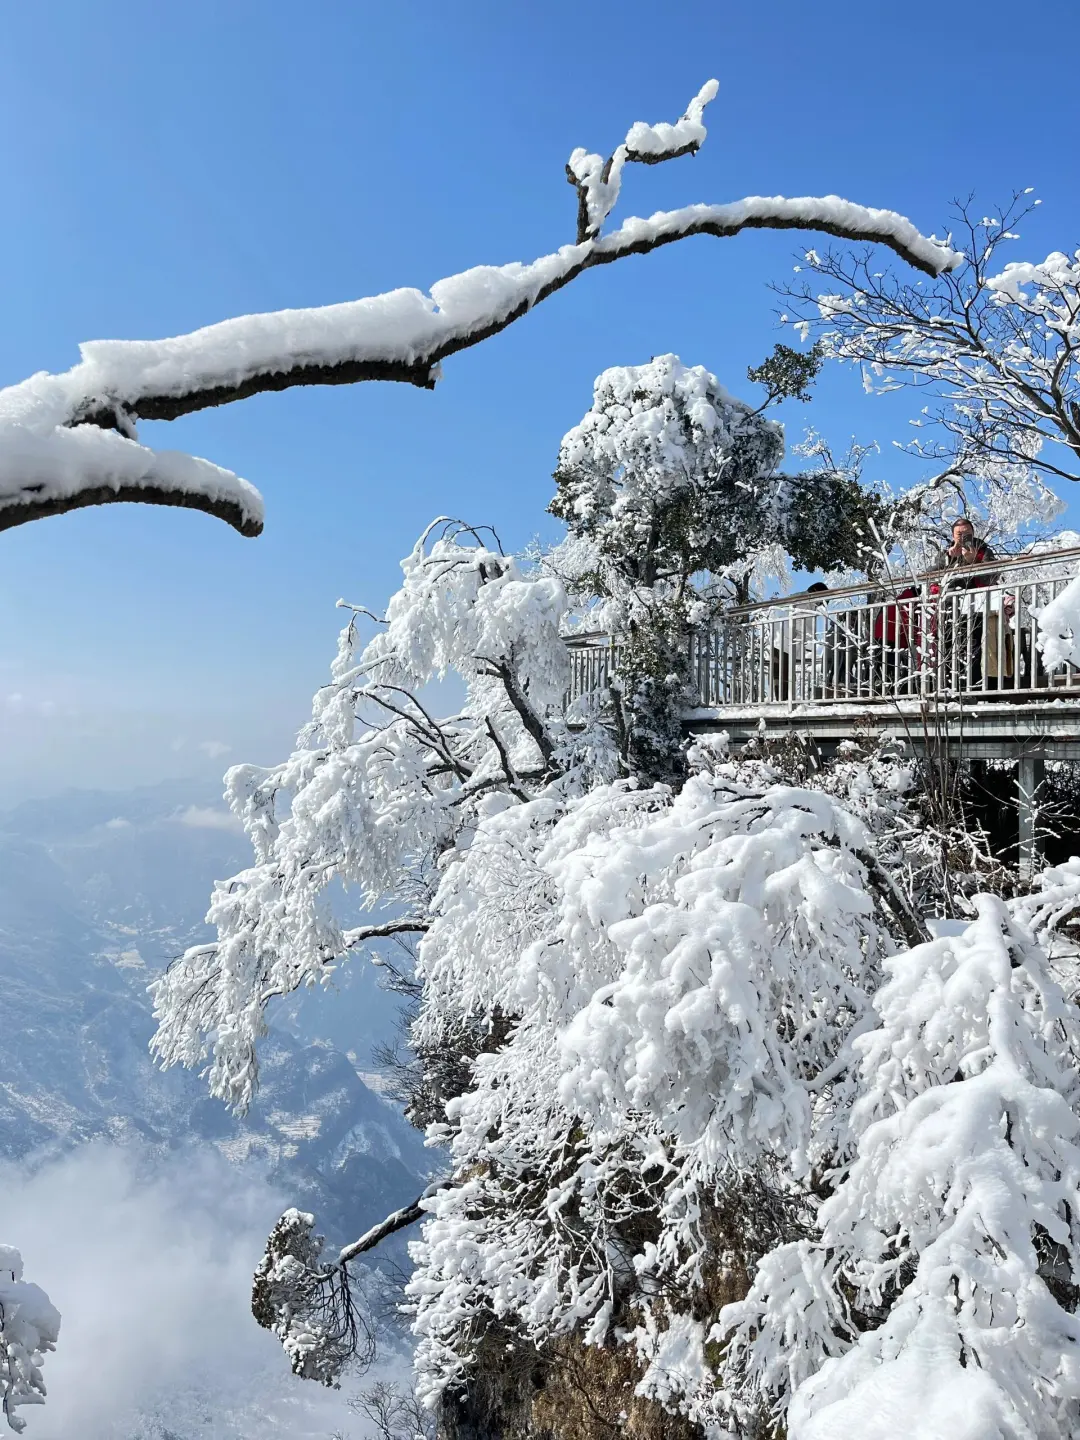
x=168, y=166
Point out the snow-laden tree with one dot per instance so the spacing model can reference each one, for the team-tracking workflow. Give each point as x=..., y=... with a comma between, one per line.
x=71, y=439
x=993, y=349
x=939, y=1292
x=29, y=1327
x=670, y=476
x=676, y=1001
x=674, y=499
x=381, y=791
x=728, y=1141
x=636, y=1006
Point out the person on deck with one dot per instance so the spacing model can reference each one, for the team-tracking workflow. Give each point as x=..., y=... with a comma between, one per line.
x=965, y=645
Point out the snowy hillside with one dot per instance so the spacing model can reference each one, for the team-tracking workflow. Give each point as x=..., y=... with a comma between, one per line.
x=97, y=893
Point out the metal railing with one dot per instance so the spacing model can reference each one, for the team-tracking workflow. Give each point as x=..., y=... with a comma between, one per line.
x=956, y=631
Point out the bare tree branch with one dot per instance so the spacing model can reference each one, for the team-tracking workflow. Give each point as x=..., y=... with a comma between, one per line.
x=528, y=716
x=993, y=346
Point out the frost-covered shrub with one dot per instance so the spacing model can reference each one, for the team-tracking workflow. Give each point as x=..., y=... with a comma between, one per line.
x=29, y=1327
x=942, y=1287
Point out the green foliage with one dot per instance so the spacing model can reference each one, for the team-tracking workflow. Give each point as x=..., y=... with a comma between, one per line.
x=828, y=521
x=787, y=374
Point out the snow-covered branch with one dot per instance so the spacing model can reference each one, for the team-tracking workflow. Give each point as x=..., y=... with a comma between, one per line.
x=308, y=1304
x=395, y=1221
x=70, y=440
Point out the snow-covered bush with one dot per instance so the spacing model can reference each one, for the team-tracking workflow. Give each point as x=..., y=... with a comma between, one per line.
x=941, y=1288
x=681, y=995
x=29, y=1327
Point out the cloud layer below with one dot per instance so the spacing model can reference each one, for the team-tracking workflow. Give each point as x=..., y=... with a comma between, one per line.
x=151, y=1271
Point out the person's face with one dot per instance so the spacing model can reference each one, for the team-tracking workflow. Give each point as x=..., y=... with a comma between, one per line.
x=963, y=535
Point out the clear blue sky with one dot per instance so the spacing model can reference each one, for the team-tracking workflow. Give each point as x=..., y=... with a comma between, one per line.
x=168, y=166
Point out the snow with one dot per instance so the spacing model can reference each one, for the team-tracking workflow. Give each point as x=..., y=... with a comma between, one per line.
x=598, y=182
x=42, y=461
x=1058, y=273
x=1059, y=627
x=642, y=139
x=922, y=1394
x=828, y=213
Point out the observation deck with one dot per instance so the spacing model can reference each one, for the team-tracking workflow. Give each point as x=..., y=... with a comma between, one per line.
x=948, y=660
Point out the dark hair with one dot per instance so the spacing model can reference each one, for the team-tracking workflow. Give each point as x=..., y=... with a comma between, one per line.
x=963, y=520
x=816, y=588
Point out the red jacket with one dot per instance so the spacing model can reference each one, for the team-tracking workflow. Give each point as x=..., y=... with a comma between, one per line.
x=898, y=622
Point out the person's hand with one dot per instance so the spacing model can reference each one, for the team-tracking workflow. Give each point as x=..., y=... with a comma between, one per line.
x=1009, y=604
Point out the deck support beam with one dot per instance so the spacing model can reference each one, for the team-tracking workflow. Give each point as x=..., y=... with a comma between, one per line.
x=1030, y=774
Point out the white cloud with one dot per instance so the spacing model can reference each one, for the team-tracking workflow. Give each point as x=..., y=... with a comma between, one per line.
x=151, y=1273
x=19, y=703
x=214, y=748
x=205, y=817
x=118, y=823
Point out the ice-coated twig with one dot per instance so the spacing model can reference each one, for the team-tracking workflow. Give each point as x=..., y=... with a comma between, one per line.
x=70, y=440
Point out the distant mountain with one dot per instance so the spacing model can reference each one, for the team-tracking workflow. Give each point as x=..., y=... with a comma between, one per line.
x=98, y=892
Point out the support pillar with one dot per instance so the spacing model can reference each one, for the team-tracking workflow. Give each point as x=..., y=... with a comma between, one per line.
x=1031, y=772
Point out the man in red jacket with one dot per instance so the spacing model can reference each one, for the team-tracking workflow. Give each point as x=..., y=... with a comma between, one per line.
x=964, y=631
x=967, y=550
